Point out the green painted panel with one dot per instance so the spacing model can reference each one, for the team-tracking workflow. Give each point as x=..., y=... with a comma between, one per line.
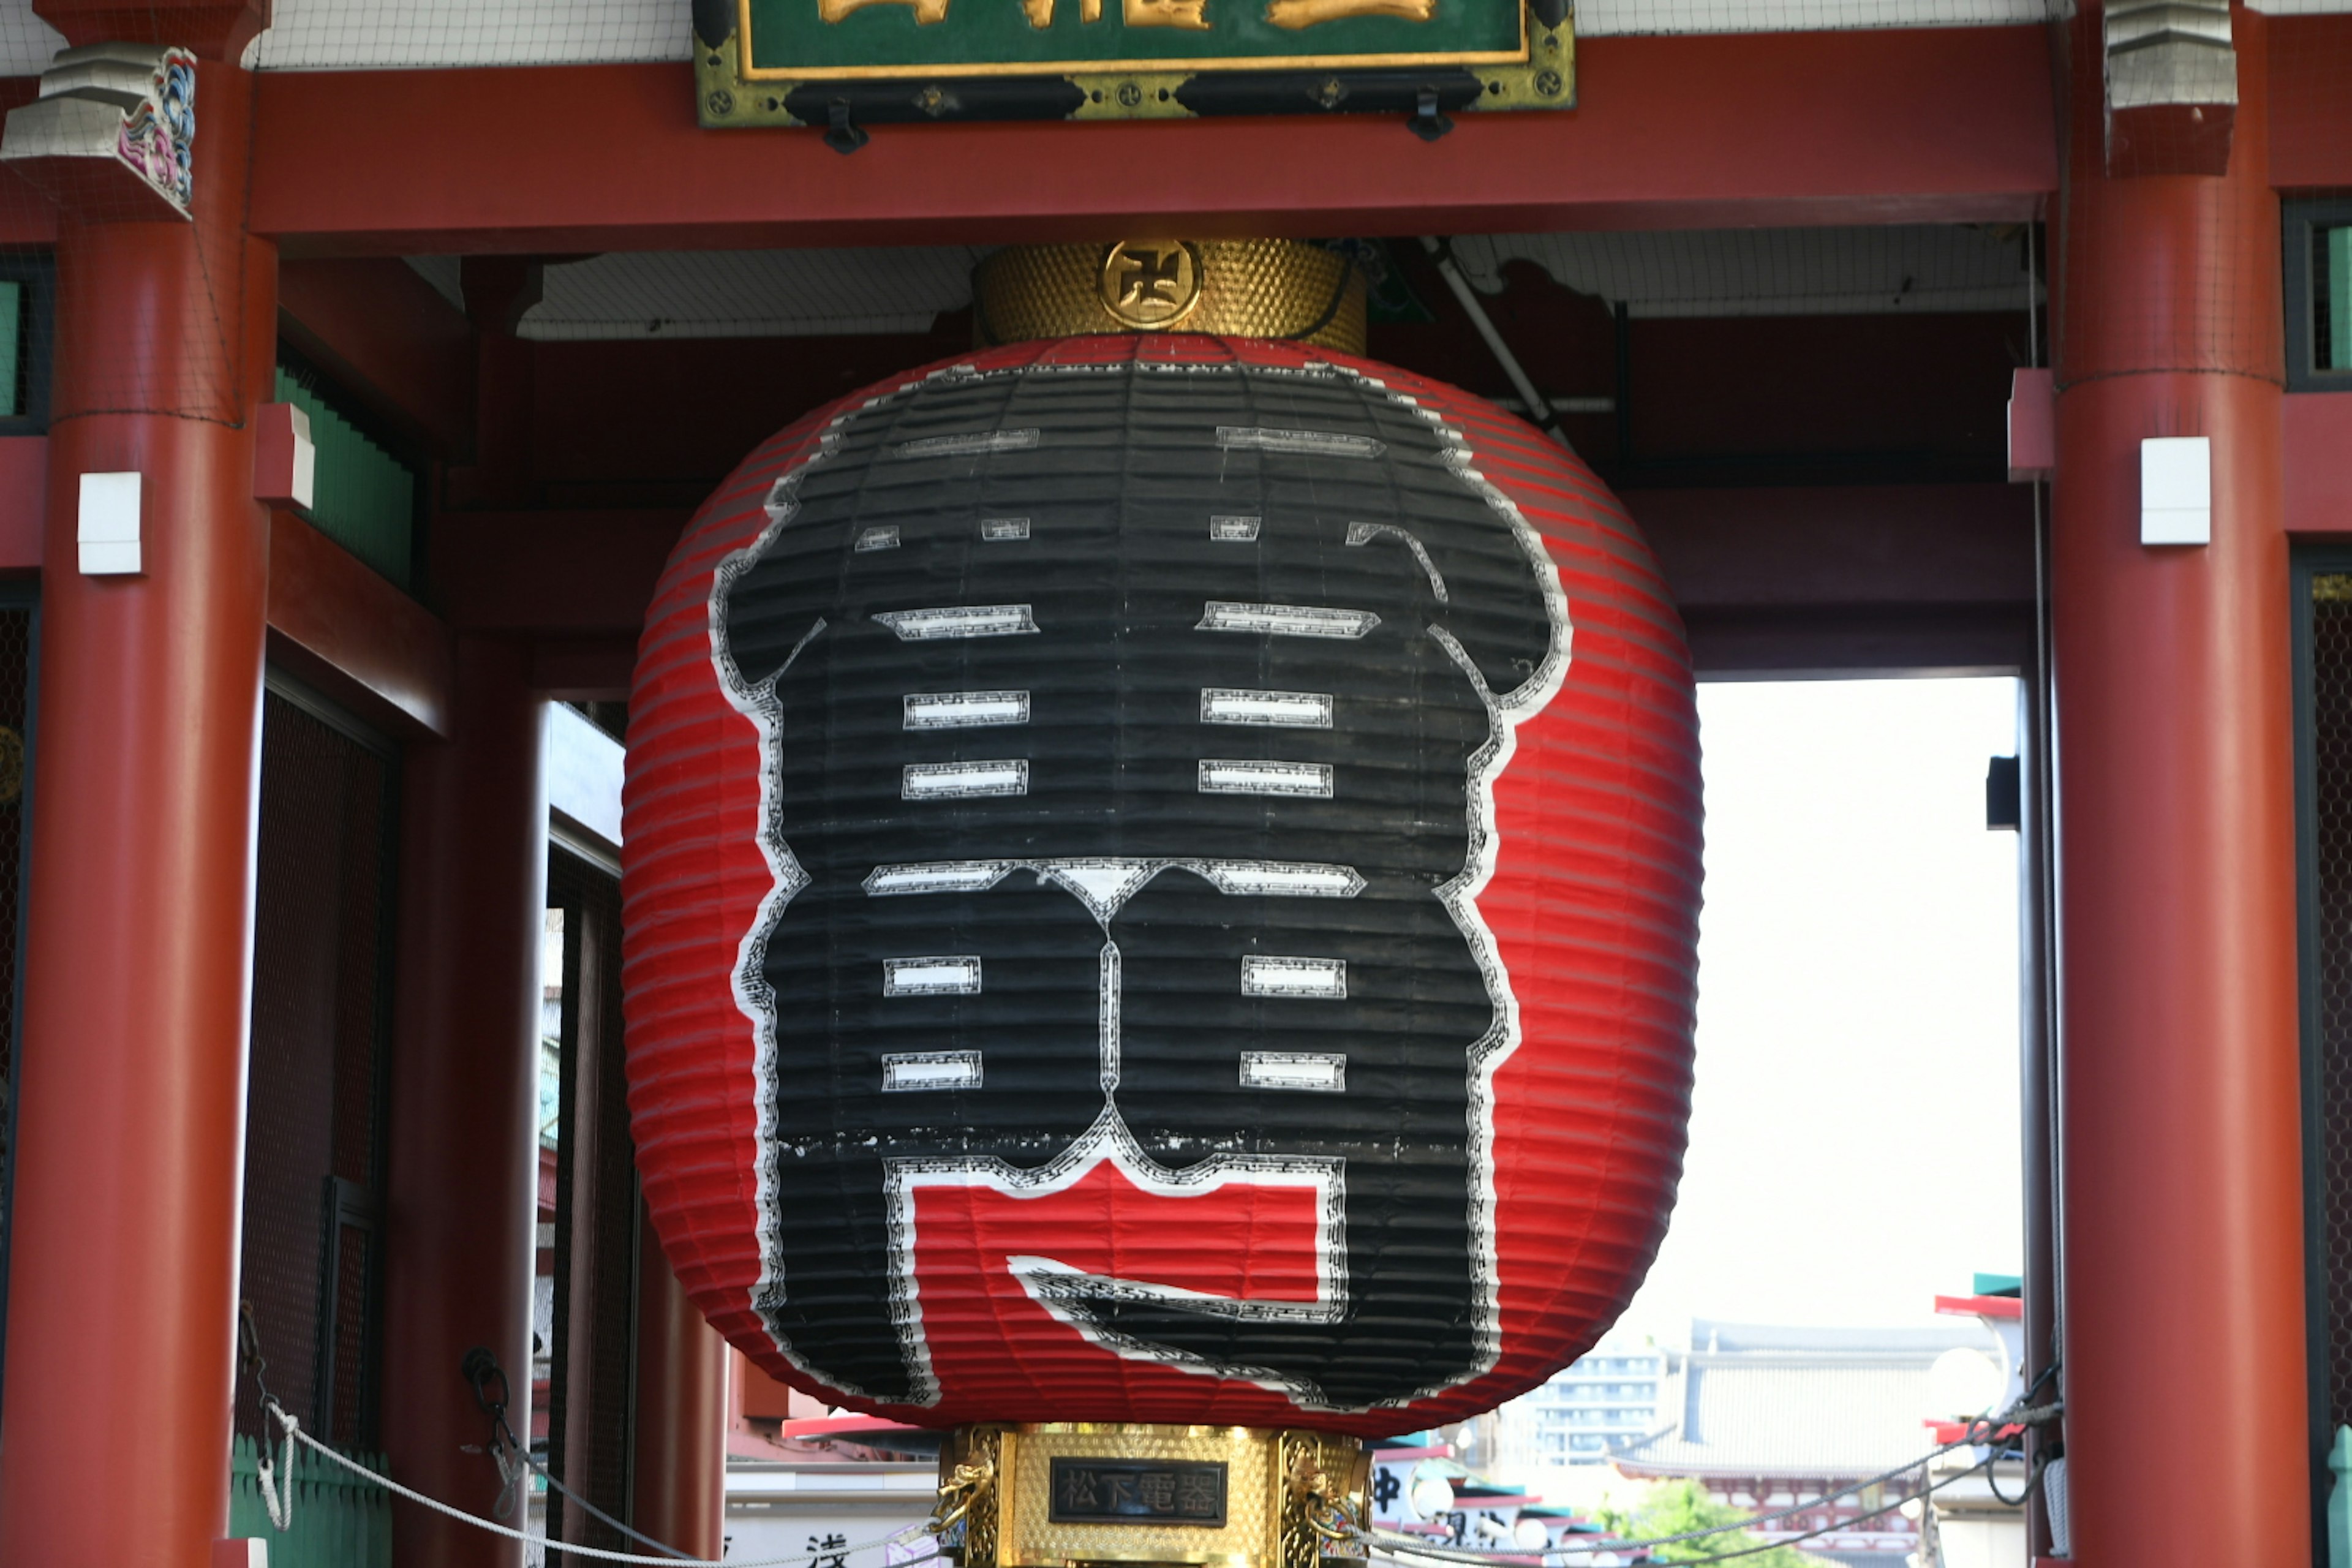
x=363, y=497
x=2338, y=295
x=807, y=38
x=12, y=348
x=340, y=1520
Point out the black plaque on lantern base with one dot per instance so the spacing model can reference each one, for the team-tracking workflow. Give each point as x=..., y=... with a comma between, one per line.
x=1135, y=1495
x=1137, y=1492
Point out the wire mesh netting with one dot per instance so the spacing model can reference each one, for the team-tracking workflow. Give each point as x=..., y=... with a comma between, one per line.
x=314, y=1104
x=1916, y=267
x=752, y=293
x=330, y=34
x=113, y=138
x=2230, y=324
x=2331, y=308
x=2328, y=701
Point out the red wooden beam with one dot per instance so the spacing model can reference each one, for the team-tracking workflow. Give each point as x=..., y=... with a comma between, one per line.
x=594, y=668
x=1874, y=546
x=348, y=631
x=23, y=496
x=1847, y=643
x=2315, y=431
x=559, y=573
x=386, y=335
x=1850, y=579
x=332, y=621
x=1947, y=124
x=2311, y=114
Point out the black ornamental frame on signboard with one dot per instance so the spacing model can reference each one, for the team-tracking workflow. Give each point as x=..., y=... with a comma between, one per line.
x=1425, y=88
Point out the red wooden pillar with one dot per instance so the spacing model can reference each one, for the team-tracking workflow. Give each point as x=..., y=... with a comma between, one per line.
x=679, y=1493
x=461, y=1200
x=139, y=917
x=2183, y=1229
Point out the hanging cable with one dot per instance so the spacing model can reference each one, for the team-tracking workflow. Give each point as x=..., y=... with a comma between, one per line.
x=1539, y=408
x=599, y=1514
x=1991, y=1430
x=2045, y=839
x=2045, y=851
x=480, y=1368
x=1404, y=1558
x=1844, y=1524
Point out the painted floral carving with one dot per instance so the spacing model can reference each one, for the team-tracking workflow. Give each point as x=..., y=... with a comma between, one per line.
x=158, y=139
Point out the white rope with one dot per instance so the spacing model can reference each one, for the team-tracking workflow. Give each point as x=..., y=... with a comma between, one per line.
x=281, y=1516
x=294, y=1434
x=1392, y=1546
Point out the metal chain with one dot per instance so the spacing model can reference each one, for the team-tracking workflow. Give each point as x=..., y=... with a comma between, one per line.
x=481, y=1368
x=277, y=1482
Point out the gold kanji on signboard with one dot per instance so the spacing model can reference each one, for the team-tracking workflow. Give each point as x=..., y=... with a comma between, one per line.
x=1297, y=14
x=1291, y=14
x=925, y=11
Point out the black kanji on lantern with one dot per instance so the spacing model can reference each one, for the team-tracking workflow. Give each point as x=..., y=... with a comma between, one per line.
x=1128, y=734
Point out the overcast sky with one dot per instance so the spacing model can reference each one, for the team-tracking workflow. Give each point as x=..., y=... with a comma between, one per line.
x=1854, y=1133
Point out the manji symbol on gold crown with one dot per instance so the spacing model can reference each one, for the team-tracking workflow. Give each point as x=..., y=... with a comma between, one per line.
x=1191, y=14
x=1148, y=283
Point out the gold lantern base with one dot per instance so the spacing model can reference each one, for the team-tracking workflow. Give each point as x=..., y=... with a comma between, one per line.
x=1070, y=1494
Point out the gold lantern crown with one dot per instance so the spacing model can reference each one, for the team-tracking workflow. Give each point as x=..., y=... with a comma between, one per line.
x=1277, y=289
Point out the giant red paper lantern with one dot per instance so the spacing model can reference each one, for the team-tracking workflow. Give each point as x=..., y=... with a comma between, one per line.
x=1160, y=884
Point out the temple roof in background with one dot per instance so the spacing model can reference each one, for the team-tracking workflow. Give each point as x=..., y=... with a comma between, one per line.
x=1751, y=1400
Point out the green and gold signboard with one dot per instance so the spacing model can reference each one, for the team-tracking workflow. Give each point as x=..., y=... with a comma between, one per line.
x=845, y=64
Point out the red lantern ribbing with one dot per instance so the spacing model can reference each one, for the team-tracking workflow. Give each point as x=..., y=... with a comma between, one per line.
x=1162, y=886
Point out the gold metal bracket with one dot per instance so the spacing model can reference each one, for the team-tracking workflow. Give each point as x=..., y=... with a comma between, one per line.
x=1132, y=95
x=724, y=101
x=1547, y=80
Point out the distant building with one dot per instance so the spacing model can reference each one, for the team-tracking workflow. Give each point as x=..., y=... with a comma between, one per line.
x=1768, y=1418
x=1610, y=1396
